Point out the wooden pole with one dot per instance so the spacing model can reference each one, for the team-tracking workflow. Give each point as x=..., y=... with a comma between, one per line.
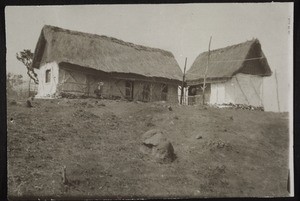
x=205, y=74
x=277, y=91
x=183, y=80
x=242, y=90
x=256, y=92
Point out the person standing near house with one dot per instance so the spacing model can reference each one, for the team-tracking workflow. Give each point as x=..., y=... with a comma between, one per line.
x=99, y=90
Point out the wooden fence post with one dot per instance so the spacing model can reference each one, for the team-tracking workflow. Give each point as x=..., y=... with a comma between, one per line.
x=205, y=74
x=278, y=103
x=183, y=80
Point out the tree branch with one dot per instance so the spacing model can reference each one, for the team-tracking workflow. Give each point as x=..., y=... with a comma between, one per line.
x=26, y=57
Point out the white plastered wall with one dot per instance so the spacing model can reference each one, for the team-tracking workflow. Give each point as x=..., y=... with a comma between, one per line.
x=217, y=95
x=241, y=89
x=47, y=90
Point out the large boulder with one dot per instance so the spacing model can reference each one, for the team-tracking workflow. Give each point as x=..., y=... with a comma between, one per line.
x=157, y=146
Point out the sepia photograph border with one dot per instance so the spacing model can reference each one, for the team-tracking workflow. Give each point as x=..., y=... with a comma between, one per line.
x=3, y=107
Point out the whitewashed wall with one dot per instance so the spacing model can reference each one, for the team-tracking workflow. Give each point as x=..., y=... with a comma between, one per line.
x=241, y=89
x=217, y=95
x=47, y=90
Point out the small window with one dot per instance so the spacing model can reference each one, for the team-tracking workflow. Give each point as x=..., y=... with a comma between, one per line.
x=48, y=76
x=128, y=84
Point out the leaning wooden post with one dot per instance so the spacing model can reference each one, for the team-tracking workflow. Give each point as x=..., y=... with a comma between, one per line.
x=277, y=91
x=205, y=74
x=183, y=80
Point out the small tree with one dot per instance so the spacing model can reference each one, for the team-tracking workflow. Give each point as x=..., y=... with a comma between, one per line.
x=26, y=57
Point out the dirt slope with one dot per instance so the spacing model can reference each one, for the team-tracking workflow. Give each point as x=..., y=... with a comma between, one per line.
x=238, y=153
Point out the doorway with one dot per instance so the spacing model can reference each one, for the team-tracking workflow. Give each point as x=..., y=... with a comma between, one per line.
x=129, y=90
x=146, y=92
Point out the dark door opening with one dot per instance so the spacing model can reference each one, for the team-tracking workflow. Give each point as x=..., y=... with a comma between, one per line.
x=164, y=92
x=195, y=94
x=146, y=92
x=129, y=90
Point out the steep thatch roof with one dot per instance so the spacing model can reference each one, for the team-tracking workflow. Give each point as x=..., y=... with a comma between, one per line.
x=103, y=53
x=245, y=58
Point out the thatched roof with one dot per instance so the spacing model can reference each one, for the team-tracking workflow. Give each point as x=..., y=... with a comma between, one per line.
x=246, y=57
x=103, y=53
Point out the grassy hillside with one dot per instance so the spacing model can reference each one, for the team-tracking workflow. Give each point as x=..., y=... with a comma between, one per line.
x=237, y=153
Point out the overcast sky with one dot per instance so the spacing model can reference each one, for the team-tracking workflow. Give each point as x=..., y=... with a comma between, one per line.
x=183, y=29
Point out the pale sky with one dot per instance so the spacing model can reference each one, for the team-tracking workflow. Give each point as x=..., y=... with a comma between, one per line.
x=183, y=29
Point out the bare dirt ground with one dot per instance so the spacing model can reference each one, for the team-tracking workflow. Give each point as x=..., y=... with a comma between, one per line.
x=239, y=153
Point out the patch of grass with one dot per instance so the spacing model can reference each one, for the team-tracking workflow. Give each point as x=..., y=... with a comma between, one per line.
x=100, y=148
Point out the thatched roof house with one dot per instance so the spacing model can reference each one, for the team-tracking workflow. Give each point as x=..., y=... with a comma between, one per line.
x=107, y=57
x=230, y=72
x=103, y=53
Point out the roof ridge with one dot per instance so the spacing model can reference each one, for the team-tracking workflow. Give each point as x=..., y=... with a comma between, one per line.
x=232, y=46
x=112, y=39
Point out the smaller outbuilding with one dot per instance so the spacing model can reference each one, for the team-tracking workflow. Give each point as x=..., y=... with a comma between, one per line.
x=234, y=75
